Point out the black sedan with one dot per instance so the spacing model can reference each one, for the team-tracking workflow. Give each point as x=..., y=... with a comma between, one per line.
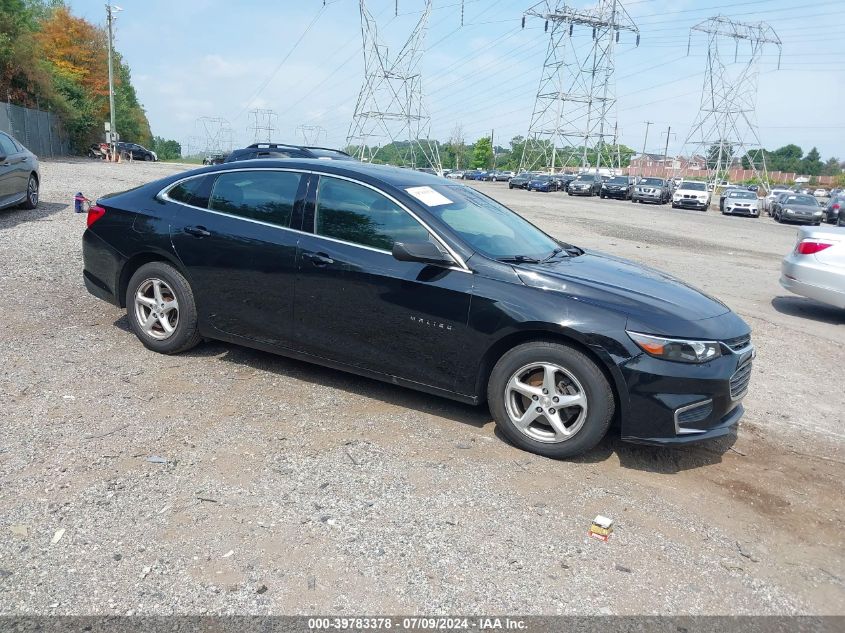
x=521, y=180
x=408, y=278
x=19, y=175
x=797, y=207
x=833, y=209
x=617, y=187
x=584, y=185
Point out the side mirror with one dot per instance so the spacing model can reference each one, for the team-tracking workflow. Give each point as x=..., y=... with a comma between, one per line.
x=423, y=252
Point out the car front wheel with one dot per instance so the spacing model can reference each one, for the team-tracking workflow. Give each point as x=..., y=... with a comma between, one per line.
x=550, y=399
x=161, y=309
x=31, y=200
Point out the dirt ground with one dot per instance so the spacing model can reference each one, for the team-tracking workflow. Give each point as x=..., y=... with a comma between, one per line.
x=227, y=480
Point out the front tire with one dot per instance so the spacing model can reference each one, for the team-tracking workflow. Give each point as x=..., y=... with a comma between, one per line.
x=31, y=200
x=161, y=309
x=550, y=399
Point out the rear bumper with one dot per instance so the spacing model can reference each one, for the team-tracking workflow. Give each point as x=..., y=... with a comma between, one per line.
x=102, y=265
x=811, y=280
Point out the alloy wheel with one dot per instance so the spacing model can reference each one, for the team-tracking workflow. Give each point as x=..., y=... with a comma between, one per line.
x=546, y=402
x=32, y=192
x=156, y=309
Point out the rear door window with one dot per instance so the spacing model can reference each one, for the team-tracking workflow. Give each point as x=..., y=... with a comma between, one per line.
x=267, y=196
x=194, y=191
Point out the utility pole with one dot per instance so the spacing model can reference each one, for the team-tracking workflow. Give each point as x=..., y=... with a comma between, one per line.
x=110, y=9
x=645, y=142
x=666, y=152
x=493, y=146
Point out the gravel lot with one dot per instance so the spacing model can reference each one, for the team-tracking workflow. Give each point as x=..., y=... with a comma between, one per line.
x=280, y=487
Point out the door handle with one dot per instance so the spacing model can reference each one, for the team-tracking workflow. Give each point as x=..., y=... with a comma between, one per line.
x=318, y=259
x=197, y=231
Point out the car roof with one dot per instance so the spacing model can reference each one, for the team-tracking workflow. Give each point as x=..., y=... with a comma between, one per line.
x=395, y=176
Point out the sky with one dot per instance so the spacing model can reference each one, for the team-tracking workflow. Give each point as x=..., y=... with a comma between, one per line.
x=303, y=60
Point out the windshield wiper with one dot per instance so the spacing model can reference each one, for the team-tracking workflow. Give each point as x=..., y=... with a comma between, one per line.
x=552, y=255
x=518, y=259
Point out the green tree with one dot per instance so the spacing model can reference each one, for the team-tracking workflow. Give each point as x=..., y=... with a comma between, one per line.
x=482, y=153
x=831, y=167
x=166, y=149
x=811, y=164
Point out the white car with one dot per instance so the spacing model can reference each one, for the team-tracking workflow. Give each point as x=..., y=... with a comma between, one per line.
x=691, y=194
x=820, y=193
x=816, y=266
x=773, y=194
x=741, y=202
x=455, y=175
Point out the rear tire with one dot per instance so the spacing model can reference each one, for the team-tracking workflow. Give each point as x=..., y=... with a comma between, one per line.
x=147, y=158
x=161, y=309
x=564, y=373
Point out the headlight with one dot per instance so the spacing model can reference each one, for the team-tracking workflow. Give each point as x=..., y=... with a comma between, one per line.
x=679, y=350
x=788, y=210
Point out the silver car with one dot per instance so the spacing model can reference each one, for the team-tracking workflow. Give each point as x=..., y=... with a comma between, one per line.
x=816, y=266
x=19, y=176
x=741, y=202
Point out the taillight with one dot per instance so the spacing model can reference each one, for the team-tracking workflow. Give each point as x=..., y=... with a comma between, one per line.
x=835, y=207
x=810, y=247
x=95, y=213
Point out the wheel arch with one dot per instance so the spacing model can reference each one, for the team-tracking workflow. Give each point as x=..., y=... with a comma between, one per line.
x=138, y=260
x=602, y=360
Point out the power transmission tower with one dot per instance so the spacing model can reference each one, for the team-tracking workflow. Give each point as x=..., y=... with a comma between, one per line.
x=390, y=105
x=725, y=130
x=217, y=134
x=311, y=134
x=575, y=108
x=262, y=127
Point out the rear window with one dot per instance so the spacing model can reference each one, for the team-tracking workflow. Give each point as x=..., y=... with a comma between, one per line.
x=655, y=182
x=267, y=196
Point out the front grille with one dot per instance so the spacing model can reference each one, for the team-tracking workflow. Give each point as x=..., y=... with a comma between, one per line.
x=739, y=342
x=740, y=380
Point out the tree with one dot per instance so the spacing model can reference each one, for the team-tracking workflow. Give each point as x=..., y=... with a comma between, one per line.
x=482, y=154
x=455, y=147
x=811, y=164
x=831, y=167
x=166, y=149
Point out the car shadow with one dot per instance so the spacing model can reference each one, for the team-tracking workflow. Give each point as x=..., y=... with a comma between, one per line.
x=808, y=309
x=16, y=215
x=659, y=460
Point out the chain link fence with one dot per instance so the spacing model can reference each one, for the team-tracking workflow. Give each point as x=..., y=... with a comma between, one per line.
x=40, y=131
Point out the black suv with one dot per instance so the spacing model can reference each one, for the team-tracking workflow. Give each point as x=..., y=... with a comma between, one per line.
x=617, y=187
x=281, y=150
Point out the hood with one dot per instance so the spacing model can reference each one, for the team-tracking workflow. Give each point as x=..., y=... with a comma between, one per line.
x=644, y=294
x=804, y=208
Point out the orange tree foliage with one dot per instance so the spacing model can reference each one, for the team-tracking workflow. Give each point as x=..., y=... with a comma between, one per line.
x=51, y=59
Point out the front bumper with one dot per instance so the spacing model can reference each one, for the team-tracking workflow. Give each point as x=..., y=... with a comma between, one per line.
x=588, y=191
x=749, y=211
x=691, y=203
x=615, y=193
x=801, y=217
x=644, y=196
x=679, y=403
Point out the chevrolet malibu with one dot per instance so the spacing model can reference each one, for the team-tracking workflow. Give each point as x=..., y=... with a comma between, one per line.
x=408, y=278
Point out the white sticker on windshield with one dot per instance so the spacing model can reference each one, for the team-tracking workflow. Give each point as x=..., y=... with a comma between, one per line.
x=428, y=196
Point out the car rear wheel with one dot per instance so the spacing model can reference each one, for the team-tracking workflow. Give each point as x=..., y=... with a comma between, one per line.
x=147, y=157
x=161, y=309
x=31, y=200
x=550, y=399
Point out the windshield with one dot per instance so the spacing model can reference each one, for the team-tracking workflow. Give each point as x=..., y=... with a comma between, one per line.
x=806, y=200
x=694, y=186
x=745, y=195
x=652, y=181
x=585, y=177
x=619, y=180
x=542, y=178
x=487, y=226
